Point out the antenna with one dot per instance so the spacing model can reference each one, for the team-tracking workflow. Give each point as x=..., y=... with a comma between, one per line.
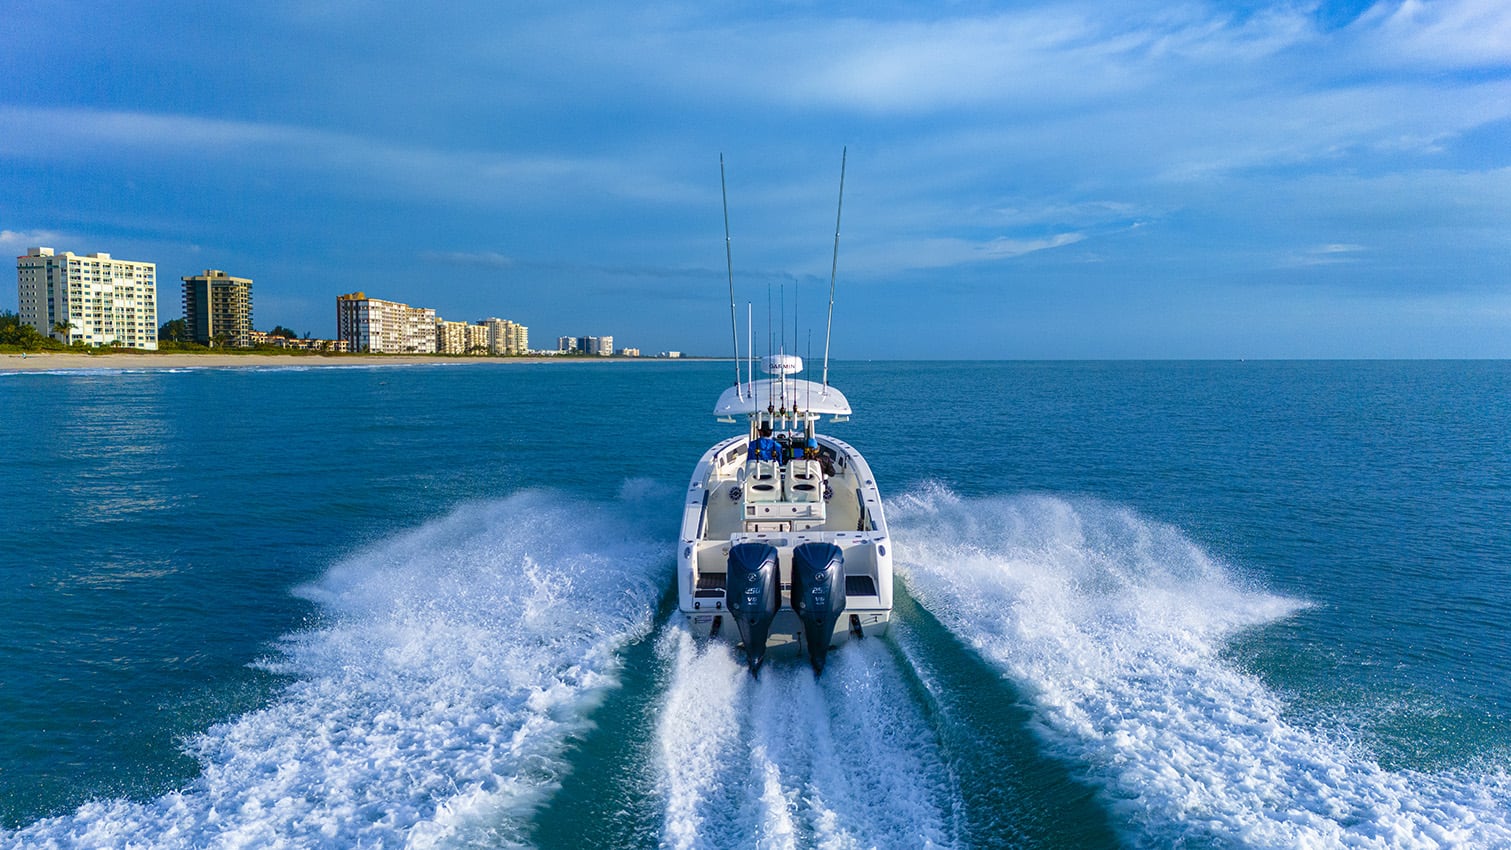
x=834, y=268
x=783, y=314
x=795, y=321
x=734, y=334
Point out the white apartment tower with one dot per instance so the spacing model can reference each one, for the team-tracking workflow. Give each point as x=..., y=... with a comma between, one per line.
x=506, y=337
x=450, y=337
x=477, y=339
x=384, y=327
x=92, y=299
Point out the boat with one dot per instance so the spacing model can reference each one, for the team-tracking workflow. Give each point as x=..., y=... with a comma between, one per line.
x=784, y=546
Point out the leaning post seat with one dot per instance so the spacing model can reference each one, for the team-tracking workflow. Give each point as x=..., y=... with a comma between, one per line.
x=763, y=481
x=805, y=481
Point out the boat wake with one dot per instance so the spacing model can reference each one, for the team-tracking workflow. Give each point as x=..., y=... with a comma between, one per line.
x=787, y=760
x=434, y=704
x=1114, y=626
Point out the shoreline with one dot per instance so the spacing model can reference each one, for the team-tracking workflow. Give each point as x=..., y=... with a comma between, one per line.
x=54, y=361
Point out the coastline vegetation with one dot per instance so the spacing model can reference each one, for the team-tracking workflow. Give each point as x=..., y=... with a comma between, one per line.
x=15, y=335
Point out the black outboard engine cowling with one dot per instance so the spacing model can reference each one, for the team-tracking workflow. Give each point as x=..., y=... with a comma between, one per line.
x=753, y=592
x=818, y=595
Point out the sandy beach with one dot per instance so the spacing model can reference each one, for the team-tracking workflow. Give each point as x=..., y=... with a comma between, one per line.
x=56, y=361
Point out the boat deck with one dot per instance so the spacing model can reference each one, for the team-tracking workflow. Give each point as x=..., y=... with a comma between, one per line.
x=732, y=499
x=726, y=516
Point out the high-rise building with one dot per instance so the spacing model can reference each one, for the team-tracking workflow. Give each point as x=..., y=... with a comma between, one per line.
x=506, y=337
x=477, y=339
x=596, y=346
x=385, y=327
x=566, y=344
x=92, y=299
x=218, y=309
x=450, y=337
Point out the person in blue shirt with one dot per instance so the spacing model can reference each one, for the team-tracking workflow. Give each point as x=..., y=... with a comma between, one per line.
x=811, y=451
x=764, y=447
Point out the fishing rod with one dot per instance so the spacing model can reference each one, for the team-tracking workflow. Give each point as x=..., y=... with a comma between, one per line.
x=734, y=333
x=834, y=267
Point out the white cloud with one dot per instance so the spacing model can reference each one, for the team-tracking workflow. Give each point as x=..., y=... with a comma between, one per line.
x=360, y=165
x=488, y=259
x=22, y=239
x=945, y=252
x=1449, y=33
x=1324, y=255
x=1053, y=57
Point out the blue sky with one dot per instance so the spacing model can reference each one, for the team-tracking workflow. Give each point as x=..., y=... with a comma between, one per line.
x=1027, y=180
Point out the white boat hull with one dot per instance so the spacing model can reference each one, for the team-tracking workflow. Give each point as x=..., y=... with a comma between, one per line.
x=732, y=500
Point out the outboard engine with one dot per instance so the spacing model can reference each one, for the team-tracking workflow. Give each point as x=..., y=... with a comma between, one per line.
x=818, y=595
x=753, y=593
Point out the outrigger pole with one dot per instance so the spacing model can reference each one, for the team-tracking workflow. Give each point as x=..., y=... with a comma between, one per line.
x=833, y=268
x=734, y=333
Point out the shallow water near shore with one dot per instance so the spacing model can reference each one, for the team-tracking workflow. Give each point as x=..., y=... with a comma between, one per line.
x=1140, y=604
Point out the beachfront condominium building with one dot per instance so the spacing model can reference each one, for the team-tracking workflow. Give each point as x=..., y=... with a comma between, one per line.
x=477, y=339
x=460, y=338
x=93, y=299
x=384, y=327
x=566, y=344
x=218, y=309
x=506, y=337
x=490, y=336
x=450, y=337
x=596, y=346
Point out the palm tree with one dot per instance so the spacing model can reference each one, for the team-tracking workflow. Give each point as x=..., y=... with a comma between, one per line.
x=62, y=329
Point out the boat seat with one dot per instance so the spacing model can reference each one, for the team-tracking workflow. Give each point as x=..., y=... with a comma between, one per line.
x=763, y=481
x=805, y=481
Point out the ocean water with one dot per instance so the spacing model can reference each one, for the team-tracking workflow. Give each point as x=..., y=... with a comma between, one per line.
x=1140, y=605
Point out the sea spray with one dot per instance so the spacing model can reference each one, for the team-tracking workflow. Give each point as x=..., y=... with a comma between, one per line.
x=1114, y=625
x=787, y=760
x=432, y=705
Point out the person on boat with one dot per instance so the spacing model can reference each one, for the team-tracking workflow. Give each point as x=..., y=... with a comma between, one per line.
x=765, y=448
x=811, y=452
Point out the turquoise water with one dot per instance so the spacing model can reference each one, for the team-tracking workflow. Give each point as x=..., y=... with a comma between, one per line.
x=1143, y=604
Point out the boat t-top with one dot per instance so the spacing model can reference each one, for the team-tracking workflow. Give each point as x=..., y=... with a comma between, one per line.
x=784, y=545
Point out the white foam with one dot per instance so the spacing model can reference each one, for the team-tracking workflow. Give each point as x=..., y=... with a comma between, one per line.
x=1114, y=626
x=432, y=709
x=847, y=761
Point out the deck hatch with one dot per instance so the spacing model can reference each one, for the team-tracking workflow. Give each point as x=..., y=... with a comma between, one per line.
x=710, y=584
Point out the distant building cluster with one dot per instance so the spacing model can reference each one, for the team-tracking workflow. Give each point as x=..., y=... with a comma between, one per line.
x=390, y=327
x=99, y=300
x=592, y=346
x=296, y=344
x=102, y=301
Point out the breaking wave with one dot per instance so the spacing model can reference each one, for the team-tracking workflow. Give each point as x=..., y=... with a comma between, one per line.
x=1114, y=625
x=434, y=704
